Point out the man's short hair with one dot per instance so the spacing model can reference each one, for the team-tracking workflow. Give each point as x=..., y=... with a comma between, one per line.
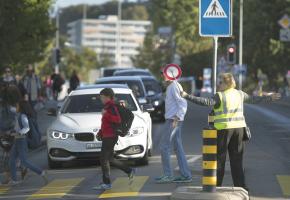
x=108, y=92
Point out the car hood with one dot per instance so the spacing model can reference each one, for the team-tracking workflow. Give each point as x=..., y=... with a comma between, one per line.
x=72, y=123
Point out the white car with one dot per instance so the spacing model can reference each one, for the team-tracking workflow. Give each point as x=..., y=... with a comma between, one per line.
x=73, y=134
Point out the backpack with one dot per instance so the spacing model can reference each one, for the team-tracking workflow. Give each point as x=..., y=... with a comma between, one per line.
x=7, y=119
x=127, y=117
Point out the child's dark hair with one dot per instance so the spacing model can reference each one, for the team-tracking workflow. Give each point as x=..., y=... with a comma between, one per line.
x=108, y=92
x=26, y=108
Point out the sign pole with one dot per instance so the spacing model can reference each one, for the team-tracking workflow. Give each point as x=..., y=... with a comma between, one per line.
x=215, y=63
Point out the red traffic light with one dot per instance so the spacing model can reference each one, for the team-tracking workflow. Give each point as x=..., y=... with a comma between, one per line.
x=231, y=50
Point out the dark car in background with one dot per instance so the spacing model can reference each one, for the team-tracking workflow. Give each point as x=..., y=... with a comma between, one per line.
x=134, y=83
x=155, y=96
x=133, y=72
x=109, y=71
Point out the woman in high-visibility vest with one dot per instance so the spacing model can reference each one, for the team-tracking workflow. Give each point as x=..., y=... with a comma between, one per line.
x=229, y=120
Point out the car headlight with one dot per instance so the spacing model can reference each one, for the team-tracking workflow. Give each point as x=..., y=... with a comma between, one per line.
x=156, y=103
x=60, y=135
x=136, y=131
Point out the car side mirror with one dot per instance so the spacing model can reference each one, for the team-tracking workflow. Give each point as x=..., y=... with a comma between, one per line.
x=52, y=112
x=147, y=108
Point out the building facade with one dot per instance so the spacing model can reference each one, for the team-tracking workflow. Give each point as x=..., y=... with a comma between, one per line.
x=109, y=38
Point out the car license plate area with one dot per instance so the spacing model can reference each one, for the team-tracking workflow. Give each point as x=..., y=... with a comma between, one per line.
x=94, y=146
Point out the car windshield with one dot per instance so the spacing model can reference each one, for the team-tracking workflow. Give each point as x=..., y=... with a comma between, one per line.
x=91, y=103
x=135, y=86
x=152, y=85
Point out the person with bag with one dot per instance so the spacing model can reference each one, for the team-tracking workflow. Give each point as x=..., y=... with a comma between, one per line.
x=229, y=120
x=175, y=111
x=9, y=96
x=109, y=139
x=19, y=148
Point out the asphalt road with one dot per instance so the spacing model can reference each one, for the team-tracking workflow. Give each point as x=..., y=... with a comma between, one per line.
x=267, y=164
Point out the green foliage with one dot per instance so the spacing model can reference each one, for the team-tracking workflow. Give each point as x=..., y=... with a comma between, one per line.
x=82, y=61
x=150, y=56
x=25, y=30
x=182, y=16
x=262, y=47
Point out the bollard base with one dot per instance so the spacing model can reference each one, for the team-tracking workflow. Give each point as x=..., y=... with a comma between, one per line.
x=222, y=193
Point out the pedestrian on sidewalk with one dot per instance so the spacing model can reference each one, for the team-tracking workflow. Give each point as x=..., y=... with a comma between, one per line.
x=230, y=122
x=175, y=110
x=8, y=78
x=109, y=139
x=32, y=84
x=74, y=81
x=19, y=148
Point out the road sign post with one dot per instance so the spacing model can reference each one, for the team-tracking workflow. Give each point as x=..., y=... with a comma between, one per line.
x=215, y=20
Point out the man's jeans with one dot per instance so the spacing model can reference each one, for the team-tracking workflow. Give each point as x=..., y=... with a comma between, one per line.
x=172, y=136
x=19, y=150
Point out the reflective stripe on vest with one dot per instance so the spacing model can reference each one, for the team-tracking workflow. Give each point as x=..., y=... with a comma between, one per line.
x=230, y=112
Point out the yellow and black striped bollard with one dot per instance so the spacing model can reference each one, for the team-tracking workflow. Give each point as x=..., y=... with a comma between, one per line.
x=209, y=164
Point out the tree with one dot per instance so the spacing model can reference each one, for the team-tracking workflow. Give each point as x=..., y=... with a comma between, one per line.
x=135, y=12
x=82, y=62
x=25, y=31
x=150, y=56
x=182, y=16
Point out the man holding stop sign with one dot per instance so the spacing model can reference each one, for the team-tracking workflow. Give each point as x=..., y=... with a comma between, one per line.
x=175, y=110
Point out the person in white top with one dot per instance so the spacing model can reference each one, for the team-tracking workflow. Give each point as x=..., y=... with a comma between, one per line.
x=175, y=110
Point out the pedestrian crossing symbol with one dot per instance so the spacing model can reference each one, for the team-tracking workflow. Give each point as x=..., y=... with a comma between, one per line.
x=215, y=18
x=215, y=10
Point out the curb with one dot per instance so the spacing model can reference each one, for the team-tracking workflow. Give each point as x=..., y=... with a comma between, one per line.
x=192, y=193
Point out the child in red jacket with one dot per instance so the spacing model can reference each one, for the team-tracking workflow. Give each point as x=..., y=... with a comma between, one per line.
x=109, y=139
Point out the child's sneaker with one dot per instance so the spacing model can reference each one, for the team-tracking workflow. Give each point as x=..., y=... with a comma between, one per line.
x=131, y=175
x=44, y=177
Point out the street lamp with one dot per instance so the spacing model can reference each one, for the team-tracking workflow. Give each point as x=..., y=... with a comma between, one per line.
x=118, y=55
x=241, y=44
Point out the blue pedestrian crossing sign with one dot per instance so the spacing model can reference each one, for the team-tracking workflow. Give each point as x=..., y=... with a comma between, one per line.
x=215, y=18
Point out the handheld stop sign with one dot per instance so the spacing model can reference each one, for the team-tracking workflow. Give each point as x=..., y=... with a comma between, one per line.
x=172, y=71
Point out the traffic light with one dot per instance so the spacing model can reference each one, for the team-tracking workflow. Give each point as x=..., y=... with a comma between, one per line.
x=231, y=54
x=56, y=56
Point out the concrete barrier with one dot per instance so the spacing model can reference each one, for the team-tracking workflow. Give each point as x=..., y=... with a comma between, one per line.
x=222, y=193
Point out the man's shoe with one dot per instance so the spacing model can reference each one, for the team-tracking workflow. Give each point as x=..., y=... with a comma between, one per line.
x=159, y=178
x=182, y=179
x=103, y=187
x=165, y=179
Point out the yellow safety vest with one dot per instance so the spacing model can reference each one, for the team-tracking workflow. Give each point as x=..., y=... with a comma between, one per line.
x=230, y=112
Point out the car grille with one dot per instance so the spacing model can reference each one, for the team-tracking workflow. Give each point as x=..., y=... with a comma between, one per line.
x=84, y=137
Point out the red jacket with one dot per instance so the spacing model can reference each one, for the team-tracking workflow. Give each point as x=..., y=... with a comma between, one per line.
x=110, y=116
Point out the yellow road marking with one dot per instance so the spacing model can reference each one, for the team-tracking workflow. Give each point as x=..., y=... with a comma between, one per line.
x=284, y=182
x=56, y=189
x=4, y=189
x=121, y=187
